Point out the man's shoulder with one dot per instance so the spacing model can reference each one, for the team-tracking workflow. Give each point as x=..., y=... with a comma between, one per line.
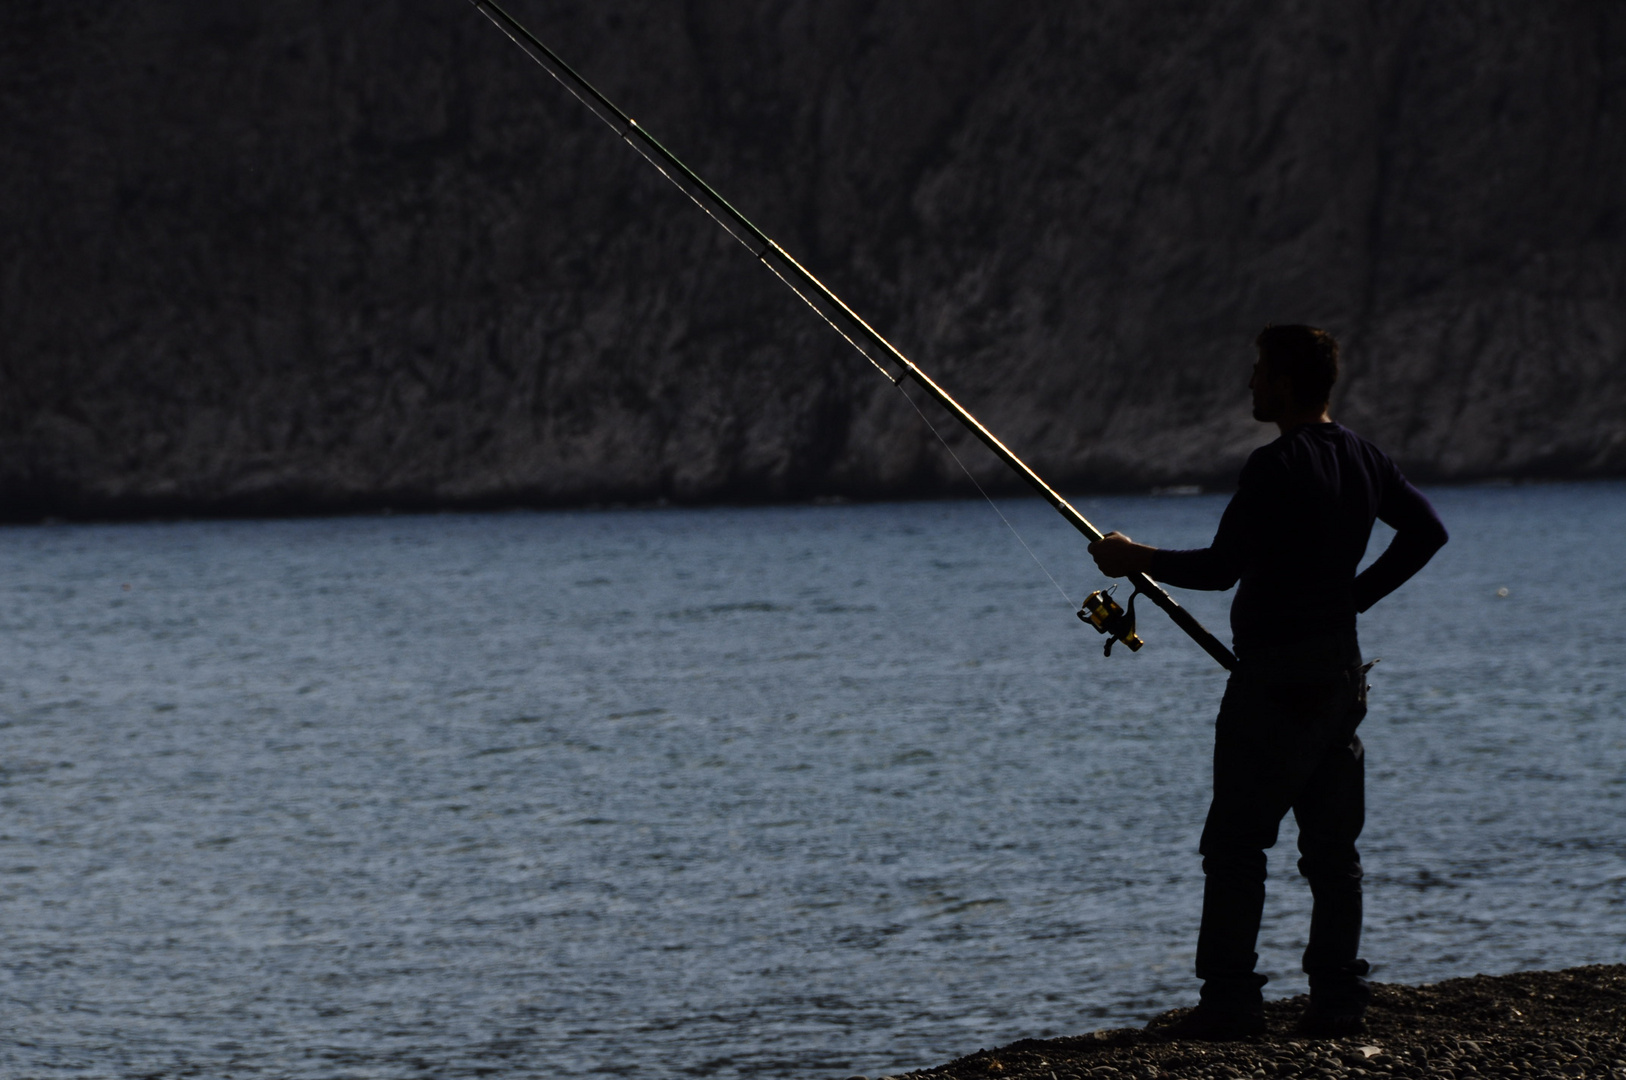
x=1317, y=440
x=1334, y=430
x=1294, y=447
x=1316, y=454
x=1268, y=472
x=1356, y=444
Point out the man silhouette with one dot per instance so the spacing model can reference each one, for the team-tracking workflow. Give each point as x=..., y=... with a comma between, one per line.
x=1291, y=540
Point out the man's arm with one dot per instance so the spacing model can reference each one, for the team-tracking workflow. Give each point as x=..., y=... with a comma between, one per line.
x=1419, y=533
x=1216, y=567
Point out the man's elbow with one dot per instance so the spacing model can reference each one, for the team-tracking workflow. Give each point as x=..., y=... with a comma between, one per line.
x=1428, y=535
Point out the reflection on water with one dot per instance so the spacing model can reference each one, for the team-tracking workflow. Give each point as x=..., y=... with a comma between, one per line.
x=781, y=792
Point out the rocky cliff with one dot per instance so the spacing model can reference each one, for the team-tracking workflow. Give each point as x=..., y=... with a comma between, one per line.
x=300, y=256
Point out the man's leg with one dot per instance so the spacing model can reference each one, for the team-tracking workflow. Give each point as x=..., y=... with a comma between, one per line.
x=1270, y=742
x=1331, y=812
x=1252, y=793
x=1233, y=904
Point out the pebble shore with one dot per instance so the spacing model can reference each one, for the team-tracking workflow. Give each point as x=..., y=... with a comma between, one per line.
x=1535, y=1024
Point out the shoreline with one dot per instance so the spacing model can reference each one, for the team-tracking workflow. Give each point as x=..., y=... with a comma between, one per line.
x=35, y=513
x=1568, y=1023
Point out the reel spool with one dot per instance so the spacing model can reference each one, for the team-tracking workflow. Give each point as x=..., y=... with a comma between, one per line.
x=1101, y=611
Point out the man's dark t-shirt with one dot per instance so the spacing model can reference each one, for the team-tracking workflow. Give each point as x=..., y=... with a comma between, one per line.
x=1295, y=532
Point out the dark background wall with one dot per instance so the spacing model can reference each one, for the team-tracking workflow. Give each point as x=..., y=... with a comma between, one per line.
x=298, y=255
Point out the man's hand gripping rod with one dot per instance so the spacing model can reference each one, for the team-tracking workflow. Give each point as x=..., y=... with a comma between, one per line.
x=858, y=333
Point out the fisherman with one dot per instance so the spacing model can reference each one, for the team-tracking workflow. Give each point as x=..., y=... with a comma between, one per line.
x=1293, y=535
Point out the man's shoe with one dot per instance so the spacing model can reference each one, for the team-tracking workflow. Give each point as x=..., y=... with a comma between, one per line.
x=1206, y=1023
x=1332, y=1023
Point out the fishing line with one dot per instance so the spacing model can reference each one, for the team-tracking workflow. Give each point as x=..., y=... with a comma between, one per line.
x=990, y=501
x=762, y=257
x=808, y=300
x=832, y=309
x=898, y=382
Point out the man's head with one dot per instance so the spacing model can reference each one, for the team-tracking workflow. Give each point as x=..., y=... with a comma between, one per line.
x=1294, y=374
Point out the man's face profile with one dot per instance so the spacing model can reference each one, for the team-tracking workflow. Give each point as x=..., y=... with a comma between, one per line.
x=1270, y=394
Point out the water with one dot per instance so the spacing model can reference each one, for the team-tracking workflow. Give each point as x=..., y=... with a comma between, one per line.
x=793, y=792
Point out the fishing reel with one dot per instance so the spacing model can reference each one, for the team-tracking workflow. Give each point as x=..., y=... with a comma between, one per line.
x=1101, y=611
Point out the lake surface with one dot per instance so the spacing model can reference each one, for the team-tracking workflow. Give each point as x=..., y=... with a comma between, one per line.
x=789, y=792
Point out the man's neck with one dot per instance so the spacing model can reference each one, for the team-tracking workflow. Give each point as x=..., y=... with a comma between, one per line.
x=1304, y=416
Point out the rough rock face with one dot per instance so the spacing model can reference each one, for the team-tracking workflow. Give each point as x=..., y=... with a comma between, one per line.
x=296, y=255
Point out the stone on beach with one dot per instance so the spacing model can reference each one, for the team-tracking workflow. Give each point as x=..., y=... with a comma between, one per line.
x=1568, y=1023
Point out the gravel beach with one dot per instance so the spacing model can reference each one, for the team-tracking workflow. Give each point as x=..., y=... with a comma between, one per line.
x=1535, y=1024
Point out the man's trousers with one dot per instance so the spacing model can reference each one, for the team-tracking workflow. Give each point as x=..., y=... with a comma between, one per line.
x=1285, y=740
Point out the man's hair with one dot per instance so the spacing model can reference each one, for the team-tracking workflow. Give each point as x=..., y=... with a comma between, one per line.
x=1306, y=356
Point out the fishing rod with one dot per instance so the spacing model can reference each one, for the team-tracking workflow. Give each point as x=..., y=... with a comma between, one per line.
x=1099, y=609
